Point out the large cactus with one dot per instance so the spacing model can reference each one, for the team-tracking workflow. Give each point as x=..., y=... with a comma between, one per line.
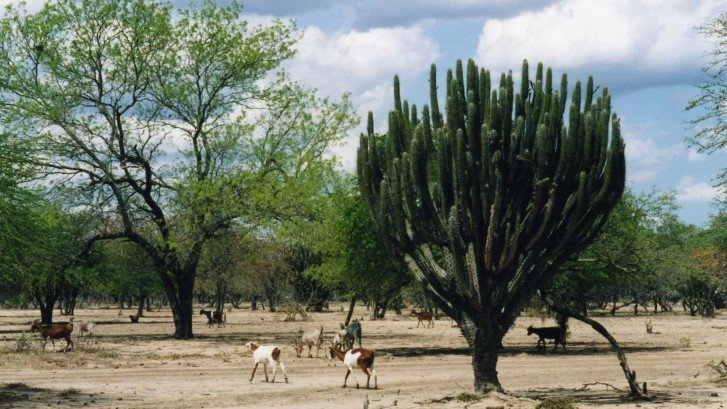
x=486, y=201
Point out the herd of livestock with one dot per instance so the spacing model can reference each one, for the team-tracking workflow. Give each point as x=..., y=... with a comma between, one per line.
x=345, y=344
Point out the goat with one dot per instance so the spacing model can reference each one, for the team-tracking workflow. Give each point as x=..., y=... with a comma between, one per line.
x=84, y=326
x=423, y=316
x=310, y=339
x=363, y=358
x=267, y=354
x=543, y=333
x=53, y=332
x=134, y=318
x=339, y=338
x=214, y=317
x=353, y=334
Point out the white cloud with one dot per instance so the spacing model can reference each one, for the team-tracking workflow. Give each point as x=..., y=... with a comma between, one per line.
x=645, y=158
x=362, y=63
x=690, y=190
x=694, y=156
x=634, y=42
x=357, y=61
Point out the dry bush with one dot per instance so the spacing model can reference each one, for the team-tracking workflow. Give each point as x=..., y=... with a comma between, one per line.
x=718, y=371
x=468, y=397
x=685, y=342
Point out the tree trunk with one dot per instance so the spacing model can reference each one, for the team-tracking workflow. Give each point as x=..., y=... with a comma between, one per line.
x=350, y=310
x=220, y=295
x=142, y=302
x=181, y=298
x=484, y=343
x=46, y=304
x=148, y=304
x=253, y=304
x=46, y=313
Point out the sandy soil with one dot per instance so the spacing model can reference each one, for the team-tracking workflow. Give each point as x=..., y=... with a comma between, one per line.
x=137, y=365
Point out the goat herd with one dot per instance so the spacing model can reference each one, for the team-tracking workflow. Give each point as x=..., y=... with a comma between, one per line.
x=342, y=343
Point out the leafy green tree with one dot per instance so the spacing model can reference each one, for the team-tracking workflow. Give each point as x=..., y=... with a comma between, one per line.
x=488, y=200
x=124, y=270
x=146, y=116
x=355, y=261
x=46, y=254
x=711, y=102
x=632, y=261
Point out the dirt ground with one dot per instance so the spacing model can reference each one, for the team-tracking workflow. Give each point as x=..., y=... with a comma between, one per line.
x=137, y=365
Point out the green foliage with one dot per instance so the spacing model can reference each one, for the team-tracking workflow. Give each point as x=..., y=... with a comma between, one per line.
x=144, y=117
x=637, y=258
x=711, y=102
x=558, y=402
x=26, y=343
x=354, y=259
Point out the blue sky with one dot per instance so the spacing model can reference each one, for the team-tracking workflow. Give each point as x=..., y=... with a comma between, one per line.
x=646, y=51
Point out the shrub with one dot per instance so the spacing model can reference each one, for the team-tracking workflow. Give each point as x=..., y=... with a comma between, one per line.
x=468, y=397
x=558, y=402
x=718, y=371
x=26, y=343
x=685, y=342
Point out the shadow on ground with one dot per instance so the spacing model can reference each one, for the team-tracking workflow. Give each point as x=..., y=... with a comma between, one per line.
x=20, y=395
x=604, y=395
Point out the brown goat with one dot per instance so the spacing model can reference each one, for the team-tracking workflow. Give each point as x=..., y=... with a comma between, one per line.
x=53, y=332
x=423, y=316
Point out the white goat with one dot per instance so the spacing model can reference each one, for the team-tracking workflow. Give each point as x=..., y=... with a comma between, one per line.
x=311, y=338
x=267, y=354
x=83, y=326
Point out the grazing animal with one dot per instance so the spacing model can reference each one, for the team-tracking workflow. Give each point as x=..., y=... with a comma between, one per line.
x=423, y=316
x=53, y=332
x=84, y=326
x=353, y=334
x=360, y=357
x=267, y=354
x=543, y=333
x=214, y=317
x=134, y=318
x=311, y=338
x=339, y=339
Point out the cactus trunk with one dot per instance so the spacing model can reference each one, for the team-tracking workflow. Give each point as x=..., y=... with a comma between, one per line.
x=485, y=202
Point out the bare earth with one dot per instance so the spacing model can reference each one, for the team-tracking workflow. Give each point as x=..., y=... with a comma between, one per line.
x=137, y=365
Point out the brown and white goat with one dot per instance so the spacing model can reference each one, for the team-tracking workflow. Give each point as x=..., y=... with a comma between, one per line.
x=310, y=339
x=214, y=317
x=423, y=316
x=267, y=354
x=53, y=332
x=360, y=357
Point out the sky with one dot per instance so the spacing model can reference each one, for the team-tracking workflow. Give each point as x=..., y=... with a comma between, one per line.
x=648, y=53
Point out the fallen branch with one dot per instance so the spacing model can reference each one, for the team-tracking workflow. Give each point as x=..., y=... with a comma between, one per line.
x=636, y=391
x=586, y=385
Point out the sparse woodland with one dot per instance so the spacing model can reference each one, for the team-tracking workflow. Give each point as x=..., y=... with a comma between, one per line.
x=153, y=161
